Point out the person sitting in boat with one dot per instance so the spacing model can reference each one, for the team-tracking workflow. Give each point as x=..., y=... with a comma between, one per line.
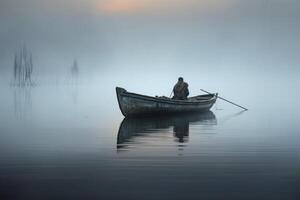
x=181, y=91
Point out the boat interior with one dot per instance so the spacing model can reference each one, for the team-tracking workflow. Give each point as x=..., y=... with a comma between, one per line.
x=194, y=98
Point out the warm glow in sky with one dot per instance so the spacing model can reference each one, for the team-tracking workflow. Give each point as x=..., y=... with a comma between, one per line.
x=115, y=6
x=131, y=6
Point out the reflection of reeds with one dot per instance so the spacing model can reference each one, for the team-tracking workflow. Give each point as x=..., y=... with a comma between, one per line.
x=74, y=92
x=22, y=101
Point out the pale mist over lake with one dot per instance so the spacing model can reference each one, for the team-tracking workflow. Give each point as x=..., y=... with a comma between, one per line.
x=64, y=137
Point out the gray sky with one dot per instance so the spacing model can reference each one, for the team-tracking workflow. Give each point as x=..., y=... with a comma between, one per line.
x=110, y=35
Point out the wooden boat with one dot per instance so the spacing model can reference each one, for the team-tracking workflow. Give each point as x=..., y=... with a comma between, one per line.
x=132, y=104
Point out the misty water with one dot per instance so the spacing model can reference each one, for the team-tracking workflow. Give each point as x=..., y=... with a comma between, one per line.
x=63, y=139
x=70, y=141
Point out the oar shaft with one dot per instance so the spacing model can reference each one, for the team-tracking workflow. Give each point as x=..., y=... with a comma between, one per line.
x=226, y=100
x=232, y=103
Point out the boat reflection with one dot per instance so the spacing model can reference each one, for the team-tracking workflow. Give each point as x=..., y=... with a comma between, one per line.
x=142, y=126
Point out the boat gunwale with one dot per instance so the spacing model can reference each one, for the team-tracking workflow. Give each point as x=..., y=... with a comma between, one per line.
x=170, y=101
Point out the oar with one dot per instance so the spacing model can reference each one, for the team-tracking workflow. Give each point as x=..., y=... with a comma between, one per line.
x=171, y=94
x=226, y=100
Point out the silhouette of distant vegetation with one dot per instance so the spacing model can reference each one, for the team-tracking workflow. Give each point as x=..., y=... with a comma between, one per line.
x=74, y=72
x=23, y=68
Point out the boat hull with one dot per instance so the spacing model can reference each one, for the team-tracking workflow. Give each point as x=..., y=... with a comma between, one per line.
x=132, y=104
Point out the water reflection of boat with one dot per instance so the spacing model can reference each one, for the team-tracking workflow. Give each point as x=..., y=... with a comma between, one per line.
x=133, y=127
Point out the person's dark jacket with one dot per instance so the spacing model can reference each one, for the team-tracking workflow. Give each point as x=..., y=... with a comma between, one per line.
x=181, y=90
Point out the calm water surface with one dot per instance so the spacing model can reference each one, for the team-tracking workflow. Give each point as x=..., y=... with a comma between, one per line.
x=73, y=143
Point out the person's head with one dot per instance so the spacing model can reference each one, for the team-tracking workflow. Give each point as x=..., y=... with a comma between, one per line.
x=180, y=79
